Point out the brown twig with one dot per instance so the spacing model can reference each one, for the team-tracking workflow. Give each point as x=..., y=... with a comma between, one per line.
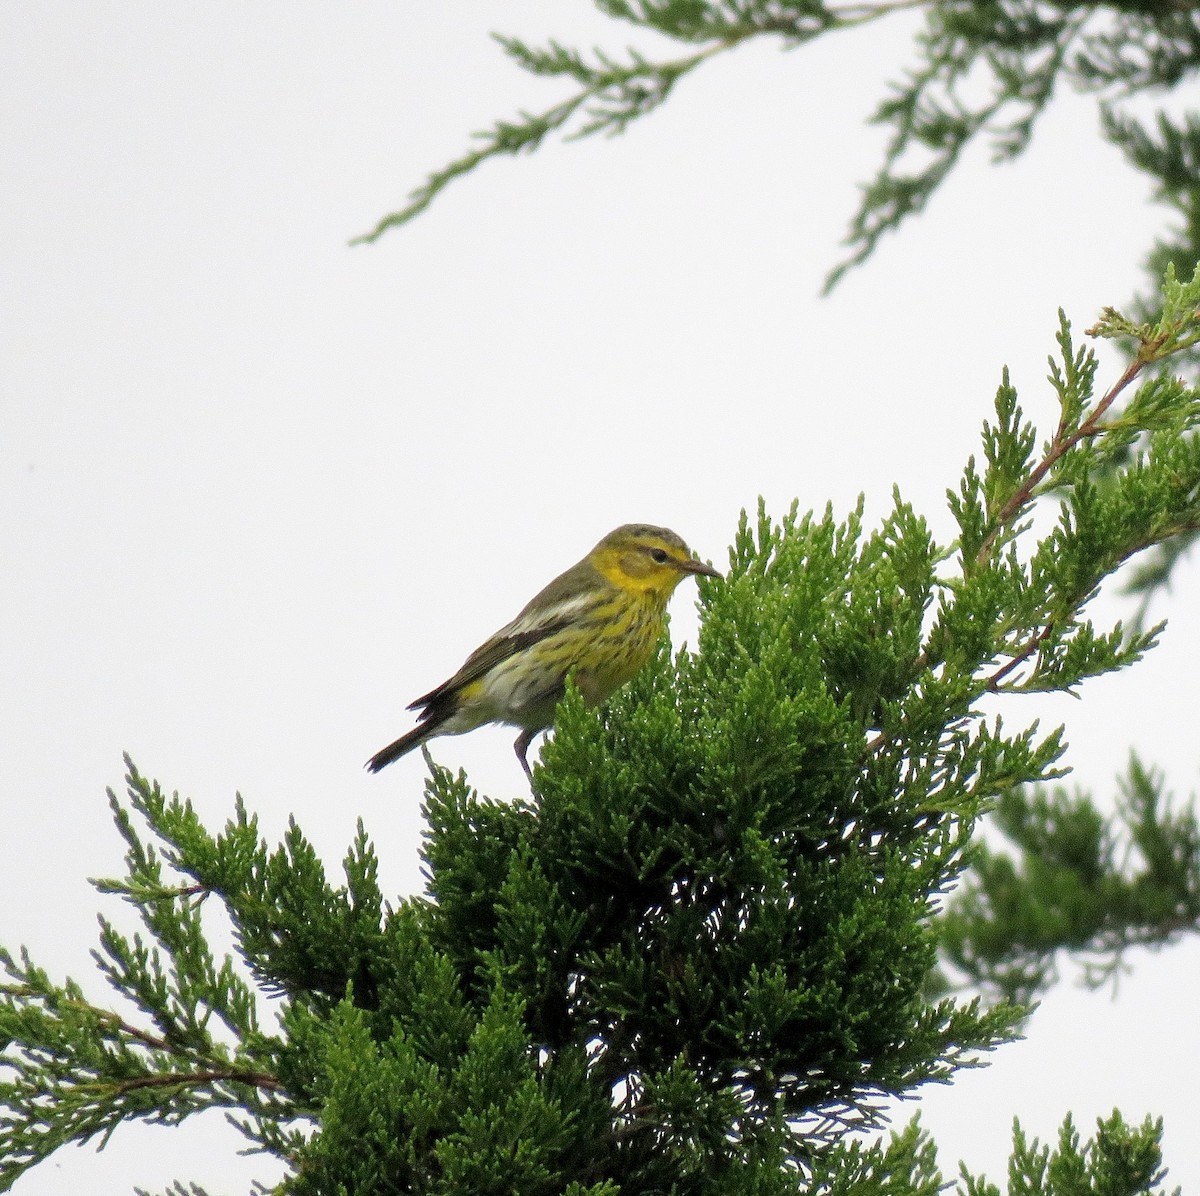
x=1031, y=646
x=1059, y=447
x=116, y=1022
x=256, y=1079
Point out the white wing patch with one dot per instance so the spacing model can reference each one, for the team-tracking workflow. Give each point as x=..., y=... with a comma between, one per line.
x=536, y=619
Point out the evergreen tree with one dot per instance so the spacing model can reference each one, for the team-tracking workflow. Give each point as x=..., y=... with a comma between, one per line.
x=702, y=952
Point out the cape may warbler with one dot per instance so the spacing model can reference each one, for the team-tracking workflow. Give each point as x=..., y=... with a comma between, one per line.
x=601, y=620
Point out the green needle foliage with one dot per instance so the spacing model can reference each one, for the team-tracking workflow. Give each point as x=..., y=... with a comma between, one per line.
x=701, y=954
x=981, y=71
x=1121, y=1158
x=1075, y=887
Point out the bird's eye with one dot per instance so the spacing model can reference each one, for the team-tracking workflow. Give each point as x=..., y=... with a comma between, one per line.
x=658, y=556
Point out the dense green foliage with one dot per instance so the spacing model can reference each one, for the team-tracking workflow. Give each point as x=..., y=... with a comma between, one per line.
x=700, y=954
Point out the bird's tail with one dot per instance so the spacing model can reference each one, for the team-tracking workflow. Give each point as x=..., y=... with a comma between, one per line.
x=404, y=744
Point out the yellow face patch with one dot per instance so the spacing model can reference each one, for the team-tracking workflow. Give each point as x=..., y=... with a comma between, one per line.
x=642, y=561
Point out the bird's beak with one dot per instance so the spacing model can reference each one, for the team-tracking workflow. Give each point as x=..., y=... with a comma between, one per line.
x=694, y=566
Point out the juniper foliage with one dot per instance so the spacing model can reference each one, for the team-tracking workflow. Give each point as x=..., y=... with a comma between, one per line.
x=1120, y=1158
x=1078, y=886
x=980, y=72
x=699, y=956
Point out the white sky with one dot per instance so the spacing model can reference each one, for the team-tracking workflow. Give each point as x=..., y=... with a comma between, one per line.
x=258, y=489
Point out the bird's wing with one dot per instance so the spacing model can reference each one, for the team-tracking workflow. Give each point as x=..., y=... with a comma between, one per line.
x=551, y=611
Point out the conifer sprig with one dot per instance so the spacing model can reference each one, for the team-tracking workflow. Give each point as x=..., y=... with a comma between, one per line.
x=1120, y=1158
x=610, y=94
x=982, y=71
x=1071, y=884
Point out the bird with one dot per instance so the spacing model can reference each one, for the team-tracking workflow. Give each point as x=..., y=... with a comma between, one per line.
x=598, y=622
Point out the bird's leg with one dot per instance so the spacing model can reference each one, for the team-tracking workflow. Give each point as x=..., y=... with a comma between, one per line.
x=521, y=746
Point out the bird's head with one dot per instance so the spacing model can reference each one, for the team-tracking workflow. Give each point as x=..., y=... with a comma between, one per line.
x=637, y=556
